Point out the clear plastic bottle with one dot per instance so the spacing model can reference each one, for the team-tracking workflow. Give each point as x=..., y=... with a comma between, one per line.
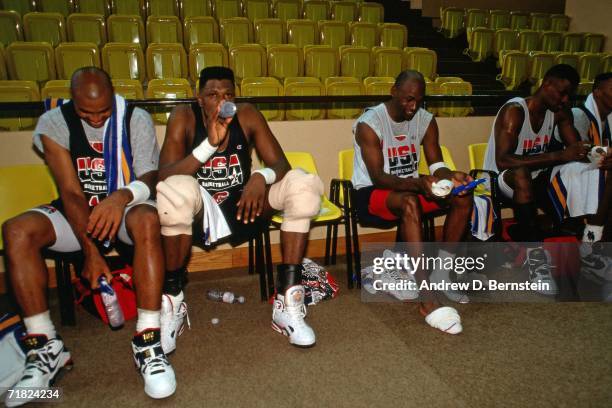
x=111, y=304
x=222, y=296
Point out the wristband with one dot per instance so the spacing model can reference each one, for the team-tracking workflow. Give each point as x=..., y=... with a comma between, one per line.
x=436, y=166
x=140, y=192
x=203, y=152
x=268, y=174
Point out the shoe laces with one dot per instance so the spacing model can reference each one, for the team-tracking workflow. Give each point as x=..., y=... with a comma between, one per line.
x=183, y=313
x=37, y=360
x=152, y=359
x=297, y=313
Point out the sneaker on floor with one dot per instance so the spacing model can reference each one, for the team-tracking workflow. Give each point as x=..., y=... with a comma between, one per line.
x=45, y=358
x=538, y=262
x=596, y=266
x=172, y=320
x=288, y=313
x=399, y=283
x=153, y=365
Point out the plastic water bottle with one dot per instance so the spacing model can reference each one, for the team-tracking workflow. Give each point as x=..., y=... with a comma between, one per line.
x=222, y=296
x=228, y=109
x=111, y=304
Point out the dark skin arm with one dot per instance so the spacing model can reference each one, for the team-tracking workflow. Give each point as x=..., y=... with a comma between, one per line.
x=507, y=128
x=76, y=208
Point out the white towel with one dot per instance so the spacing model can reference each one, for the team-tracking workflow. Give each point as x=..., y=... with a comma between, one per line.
x=483, y=217
x=575, y=189
x=214, y=224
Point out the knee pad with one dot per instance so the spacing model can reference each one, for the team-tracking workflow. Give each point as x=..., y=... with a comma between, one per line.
x=178, y=201
x=298, y=194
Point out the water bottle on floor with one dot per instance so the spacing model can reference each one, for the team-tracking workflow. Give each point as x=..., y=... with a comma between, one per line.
x=111, y=304
x=223, y=296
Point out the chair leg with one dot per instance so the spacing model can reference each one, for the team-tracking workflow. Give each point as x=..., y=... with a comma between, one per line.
x=334, y=250
x=350, y=272
x=259, y=267
x=65, y=292
x=269, y=264
x=251, y=257
x=328, y=243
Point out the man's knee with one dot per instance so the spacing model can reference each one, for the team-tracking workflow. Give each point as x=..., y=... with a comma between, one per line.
x=18, y=233
x=410, y=208
x=178, y=201
x=143, y=221
x=521, y=178
x=463, y=203
x=298, y=194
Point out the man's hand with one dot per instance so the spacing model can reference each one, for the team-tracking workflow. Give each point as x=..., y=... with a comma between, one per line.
x=105, y=218
x=575, y=152
x=94, y=267
x=606, y=162
x=426, y=182
x=251, y=202
x=216, y=126
x=460, y=178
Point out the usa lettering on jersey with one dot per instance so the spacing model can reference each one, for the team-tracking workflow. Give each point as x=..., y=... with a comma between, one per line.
x=536, y=146
x=220, y=173
x=92, y=176
x=403, y=160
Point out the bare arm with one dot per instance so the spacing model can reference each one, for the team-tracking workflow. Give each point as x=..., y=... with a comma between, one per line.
x=433, y=153
x=374, y=161
x=173, y=158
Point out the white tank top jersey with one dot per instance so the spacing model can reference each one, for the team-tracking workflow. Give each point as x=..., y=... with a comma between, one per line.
x=529, y=142
x=400, y=143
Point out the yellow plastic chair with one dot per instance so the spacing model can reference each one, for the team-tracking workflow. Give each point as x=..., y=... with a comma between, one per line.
x=541, y=62
x=270, y=31
x=342, y=110
x=288, y=10
x=63, y=7
x=567, y=58
x=454, y=109
x=164, y=29
x=126, y=29
x=584, y=88
x=206, y=55
x=57, y=88
x=316, y=10
x=551, y=41
x=559, y=22
x=71, y=56
x=48, y=27
x=321, y=61
x=593, y=42
x=266, y=86
x=519, y=20
x=130, y=8
x=528, y=40
x=589, y=65
x=235, y=31
x=195, y=8
x=378, y=85
x=124, y=61
x=128, y=88
x=303, y=86
x=606, y=63
x=333, y=33
x=256, y=9
x=476, y=154
x=285, y=60
x=363, y=34
x=302, y=32
x=200, y=30
x=102, y=7
x=345, y=11
x=480, y=44
x=18, y=91
x=452, y=22
x=540, y=21
x=31, y=61
x=166, y=61
x=355, y=62
x=423, y=60
x=22, y=7
x=572, y=42
x=475, y=18
x=248, y=60
x=387, y=61
x=393, y=35
x=505, y=39
x=162, y=8
x=514, y=69
x=168, y=89
x=87, y=28
x=370, y=12
x=11, y=29
x=3, y=71
x=223, y=9
x=499, y=19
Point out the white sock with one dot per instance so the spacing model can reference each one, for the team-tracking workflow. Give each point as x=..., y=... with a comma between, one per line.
x=592, y=233
x=147, y=319
x=40, y=324
x=441, y=274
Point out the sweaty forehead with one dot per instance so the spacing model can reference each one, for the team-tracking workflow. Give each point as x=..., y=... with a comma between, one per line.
x=218, y=85
x=411, y=88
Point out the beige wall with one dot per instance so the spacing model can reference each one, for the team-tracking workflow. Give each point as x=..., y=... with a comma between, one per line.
x=431, y=8
x=591, y=16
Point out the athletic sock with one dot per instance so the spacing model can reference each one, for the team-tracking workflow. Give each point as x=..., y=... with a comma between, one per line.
x=147, y=319
x=40, y=324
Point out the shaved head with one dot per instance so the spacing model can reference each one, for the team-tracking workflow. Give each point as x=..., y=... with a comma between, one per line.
x=92, y=94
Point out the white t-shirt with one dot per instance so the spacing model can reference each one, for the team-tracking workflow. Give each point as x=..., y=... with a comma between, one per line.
x=400, y=143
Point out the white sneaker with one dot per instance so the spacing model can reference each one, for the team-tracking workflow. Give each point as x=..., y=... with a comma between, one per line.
x=45, y=359
x=288, y=313
x=153, y=365
x=538, y=262
x=399, y=283
x=172, y=321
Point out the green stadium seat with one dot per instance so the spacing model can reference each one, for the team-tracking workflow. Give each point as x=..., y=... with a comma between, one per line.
x=124, y=61
x=164, y=29
x=480, y=44
x=566, y=58
x=504, y=39
x=593, y=42
x=540, y=63
x=452, y=22
x=514, y=69
x=551, y=41
x=22, y=7
x=519, y=20
x=168, y=89
x=11, y=28
x=63, y=7
x=475, y=18
x=355, y=62
x=226, y=9
x=130, y=8
x=94, y=7
x=288, y=10
x=589, y=65
x=31, y=61
x=393, y=35
x=200, y=30
x=3, y=71
x=321, y=61
x=303, y=86
x=248, y=60
x=285, y=60
x=584, y=88
x=87, y=28
x=559, y=22
x=370, y=12
x=18, y=91
x=421, y=60
x=128, y=88
x=47, y=27
x=126, y=29
x=333, y=33
x=302, y=32
x=206, y=55
x=387, y=61
x=71, y=56
x=344, y=110
x=572, y=42
x=57, y=88
x=166, y=61
x=363, y=34
x=195, y=8
x=528, y=40
x=452, y=108
x=269, y=31
x=316, y=10
x=540, y=21
x=345, y=11
x=499, y=19
x=606, y=63
x=162, y=8
x=264, y=86
x=236, y=31
x=256, y=9
x=378, y=85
